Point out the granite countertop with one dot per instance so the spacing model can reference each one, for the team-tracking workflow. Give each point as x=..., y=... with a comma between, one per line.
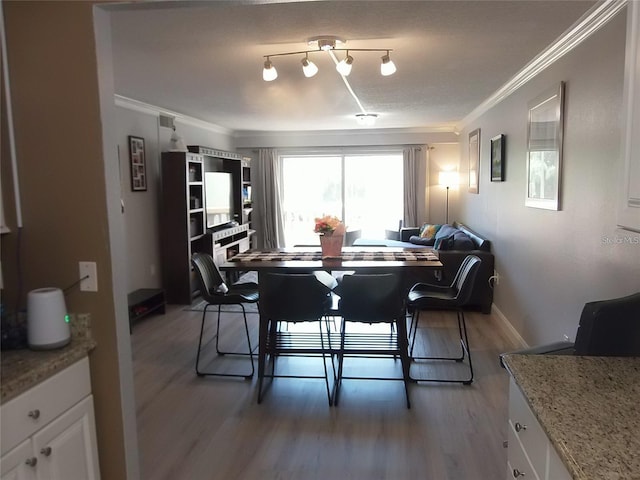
x=22, y=369
x=589, y=408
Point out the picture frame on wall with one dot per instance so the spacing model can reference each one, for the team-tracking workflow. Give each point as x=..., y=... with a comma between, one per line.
x=544, y=149
x=474, y=161
x=138, y=164
x=497, y=158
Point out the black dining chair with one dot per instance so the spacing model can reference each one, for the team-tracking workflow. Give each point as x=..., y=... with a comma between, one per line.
x=428, y=297
x=292, y=298
x=372, y=299
x=215, y=292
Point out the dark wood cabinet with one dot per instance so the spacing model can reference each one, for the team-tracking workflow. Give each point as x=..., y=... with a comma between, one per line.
x=182, y=220
x=183, y=216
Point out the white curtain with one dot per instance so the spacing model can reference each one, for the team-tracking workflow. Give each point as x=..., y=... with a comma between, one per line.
x=415, y=184
x=267, y=215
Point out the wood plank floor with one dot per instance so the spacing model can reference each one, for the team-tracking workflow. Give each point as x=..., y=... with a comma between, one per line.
x=206, y=428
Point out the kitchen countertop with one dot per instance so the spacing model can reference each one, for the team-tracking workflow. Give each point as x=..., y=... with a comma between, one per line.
x=22, y=369
x=589, y=408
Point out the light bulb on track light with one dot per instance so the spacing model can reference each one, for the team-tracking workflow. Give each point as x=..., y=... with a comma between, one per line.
x=269, y=72
x=387, y=67
x=308, y=67
x=344, y=67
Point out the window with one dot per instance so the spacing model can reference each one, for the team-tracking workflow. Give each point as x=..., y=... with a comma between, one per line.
x=365, y=190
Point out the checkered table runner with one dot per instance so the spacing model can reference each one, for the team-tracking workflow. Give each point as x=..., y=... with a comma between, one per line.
x=264, y=256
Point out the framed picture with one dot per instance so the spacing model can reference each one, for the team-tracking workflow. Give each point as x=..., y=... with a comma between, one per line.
x=544, y=149
x=474, y=161
x=138, y=166
x=497, y=158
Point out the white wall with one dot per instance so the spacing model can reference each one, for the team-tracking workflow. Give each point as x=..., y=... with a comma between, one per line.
x=552, y=262
x=142, y=214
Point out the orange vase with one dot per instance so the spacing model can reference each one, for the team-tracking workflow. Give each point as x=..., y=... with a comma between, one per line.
x=331, y=245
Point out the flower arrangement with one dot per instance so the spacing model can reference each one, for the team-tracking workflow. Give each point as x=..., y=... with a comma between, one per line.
x=329, y=225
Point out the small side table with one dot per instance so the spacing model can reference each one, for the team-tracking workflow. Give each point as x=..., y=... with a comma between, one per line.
x=145, y=301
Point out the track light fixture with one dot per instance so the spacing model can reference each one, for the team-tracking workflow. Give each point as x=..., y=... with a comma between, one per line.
x=324, y=44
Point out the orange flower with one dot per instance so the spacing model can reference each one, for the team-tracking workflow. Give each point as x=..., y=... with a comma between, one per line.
x=327, y=224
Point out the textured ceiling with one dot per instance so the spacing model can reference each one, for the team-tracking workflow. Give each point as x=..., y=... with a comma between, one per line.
x=204, y=59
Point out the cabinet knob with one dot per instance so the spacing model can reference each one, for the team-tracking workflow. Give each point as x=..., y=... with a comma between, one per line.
x=35, y=414
x=32, y=462
x=517, y=473
x=46, y=451
x=518, y=426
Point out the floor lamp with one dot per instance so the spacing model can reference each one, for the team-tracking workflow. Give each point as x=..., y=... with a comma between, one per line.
x=447, y=179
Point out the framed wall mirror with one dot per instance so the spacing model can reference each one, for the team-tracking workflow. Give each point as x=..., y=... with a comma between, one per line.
x=544, y=149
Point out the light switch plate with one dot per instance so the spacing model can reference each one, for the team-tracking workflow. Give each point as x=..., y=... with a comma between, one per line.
x=90, y=270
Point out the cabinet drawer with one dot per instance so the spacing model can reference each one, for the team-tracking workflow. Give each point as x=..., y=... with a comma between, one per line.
x=518, y=466
x=526, y=428
x=33, y=409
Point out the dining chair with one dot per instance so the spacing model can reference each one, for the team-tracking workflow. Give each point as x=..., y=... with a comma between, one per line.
x=292, y=298
x=215, y=292
x=372, y=299
x=428, y=297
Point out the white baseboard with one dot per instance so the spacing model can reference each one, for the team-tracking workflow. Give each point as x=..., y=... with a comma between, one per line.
x=508, y=328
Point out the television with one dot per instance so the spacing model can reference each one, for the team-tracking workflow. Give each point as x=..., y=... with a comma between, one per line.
x=218, y=199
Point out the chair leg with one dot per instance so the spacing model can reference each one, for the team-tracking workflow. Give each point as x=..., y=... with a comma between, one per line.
x=464, y=347
x=201, y=373
x=222, y=352
x=403, y=345
x=262, y=354
x=268, y=333
x=324, y=364
x=338, y=382
x=402, y=351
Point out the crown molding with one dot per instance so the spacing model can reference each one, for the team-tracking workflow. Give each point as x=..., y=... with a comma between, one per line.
x=153, y=110
x=586, y=26
x=355, y=131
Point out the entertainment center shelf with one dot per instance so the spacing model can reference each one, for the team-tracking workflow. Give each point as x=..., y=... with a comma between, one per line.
x=190, y=224
x=230, y=241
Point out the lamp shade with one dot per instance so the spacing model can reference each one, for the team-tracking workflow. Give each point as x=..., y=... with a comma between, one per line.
x=344, y=67
x=309, y=68
x=387, y=67
x=269, y=73
x=448, y=178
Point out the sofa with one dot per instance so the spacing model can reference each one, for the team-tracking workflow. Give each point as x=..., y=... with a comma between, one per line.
x=453, y=243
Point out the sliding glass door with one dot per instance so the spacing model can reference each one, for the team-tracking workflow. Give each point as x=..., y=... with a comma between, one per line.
x=365, y=190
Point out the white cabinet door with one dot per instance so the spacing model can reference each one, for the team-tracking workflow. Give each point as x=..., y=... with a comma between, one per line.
x=66, y=448
x=19, y=463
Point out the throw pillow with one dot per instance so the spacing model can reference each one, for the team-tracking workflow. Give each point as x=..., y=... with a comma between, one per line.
x=461, y=241
x=445, y=231
x=429, y=231
x=443, y=243
x=416, y=240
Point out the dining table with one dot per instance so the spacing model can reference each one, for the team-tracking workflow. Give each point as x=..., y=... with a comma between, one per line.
x=362, y=259
x=410, y=263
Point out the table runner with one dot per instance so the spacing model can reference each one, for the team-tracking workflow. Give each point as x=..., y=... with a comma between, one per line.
x=271, y=256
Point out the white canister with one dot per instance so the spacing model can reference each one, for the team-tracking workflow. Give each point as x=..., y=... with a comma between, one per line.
x=47, y=321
